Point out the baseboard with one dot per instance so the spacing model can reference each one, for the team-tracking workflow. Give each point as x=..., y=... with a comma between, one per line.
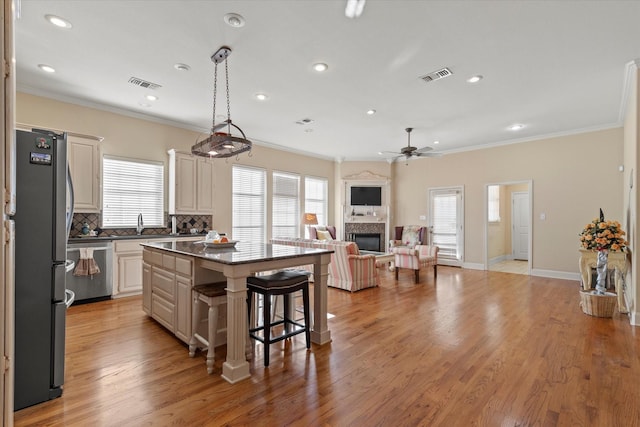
x=634, y=318
x=473, y=266
x=499, y=259
x=553, y=274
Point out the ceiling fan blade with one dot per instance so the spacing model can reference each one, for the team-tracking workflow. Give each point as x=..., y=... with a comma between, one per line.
x=424, y=149
x=428, y=154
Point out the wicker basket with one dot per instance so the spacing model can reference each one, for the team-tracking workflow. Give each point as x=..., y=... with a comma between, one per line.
x=598, y=305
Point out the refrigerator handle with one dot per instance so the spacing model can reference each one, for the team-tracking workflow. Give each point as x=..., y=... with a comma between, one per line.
x=71, y=201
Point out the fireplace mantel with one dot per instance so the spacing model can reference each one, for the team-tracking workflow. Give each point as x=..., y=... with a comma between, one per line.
x=366, y=219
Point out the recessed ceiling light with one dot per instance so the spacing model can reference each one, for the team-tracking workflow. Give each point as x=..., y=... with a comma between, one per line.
x=57, y=21
x=305, y=121
x=371, y=112
x=516, y=127
x=234, y=20
x=354, y=8
x=320, y=67
x=436, y=142
x=474, y=79
x=47, y=68
x=261, y=96
x=181, y=67
x=151, y=97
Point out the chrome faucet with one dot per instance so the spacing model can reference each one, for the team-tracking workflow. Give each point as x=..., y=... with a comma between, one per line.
x=140, y=226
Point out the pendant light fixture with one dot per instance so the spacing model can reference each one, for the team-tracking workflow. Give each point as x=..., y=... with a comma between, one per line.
x=221, y=143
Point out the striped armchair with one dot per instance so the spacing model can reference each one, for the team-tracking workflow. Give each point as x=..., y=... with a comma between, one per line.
x=416, y=258
x=348, y=269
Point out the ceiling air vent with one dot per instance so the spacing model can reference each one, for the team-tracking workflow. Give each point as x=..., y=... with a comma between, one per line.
x=143, y=83
x=440, y=74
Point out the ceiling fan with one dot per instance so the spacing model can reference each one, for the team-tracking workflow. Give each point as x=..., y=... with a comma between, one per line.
x=410, y=151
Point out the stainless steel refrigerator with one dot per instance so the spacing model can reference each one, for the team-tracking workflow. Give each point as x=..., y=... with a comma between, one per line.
x=42, y=219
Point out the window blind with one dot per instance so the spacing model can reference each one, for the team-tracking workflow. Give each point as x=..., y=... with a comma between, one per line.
x=249, y=204
x=444, y=211
x=129, y=188
x=316, y=195
x=285, y=208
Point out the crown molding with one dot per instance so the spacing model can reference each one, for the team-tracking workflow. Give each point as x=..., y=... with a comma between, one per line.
x=629, y=71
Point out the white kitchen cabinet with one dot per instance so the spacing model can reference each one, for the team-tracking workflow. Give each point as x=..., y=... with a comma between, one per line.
x=127, y=263
x=84, y=162
x=183, y=315
x=168, y=280
x=128, y=267
x=146, y=291
x=190, y=184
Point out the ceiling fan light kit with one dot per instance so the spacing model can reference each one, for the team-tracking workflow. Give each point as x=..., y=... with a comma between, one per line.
x=221, y=143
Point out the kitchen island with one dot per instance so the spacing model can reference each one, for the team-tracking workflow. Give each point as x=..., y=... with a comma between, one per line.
x=192, y=263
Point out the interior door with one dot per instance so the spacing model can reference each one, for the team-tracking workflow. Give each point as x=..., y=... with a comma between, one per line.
x=446, y=219
x=520, y=224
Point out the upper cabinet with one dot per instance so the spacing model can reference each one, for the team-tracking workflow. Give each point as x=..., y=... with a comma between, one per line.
x=190, y=184
x=84, y=163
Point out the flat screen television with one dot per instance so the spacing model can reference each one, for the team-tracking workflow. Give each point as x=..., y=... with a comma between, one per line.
x=366, y=196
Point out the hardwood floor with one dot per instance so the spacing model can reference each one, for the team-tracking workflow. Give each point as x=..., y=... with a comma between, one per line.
x=477, y=348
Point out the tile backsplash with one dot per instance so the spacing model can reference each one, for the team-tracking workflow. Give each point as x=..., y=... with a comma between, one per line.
x=184, y=224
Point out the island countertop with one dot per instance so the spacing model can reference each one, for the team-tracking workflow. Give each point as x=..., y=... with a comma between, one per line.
x=242, y=253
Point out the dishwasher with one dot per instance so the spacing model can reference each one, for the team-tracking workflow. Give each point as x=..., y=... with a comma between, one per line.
x=90, y=286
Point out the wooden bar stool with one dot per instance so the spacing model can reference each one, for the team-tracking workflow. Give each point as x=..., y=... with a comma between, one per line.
x=214, y=295
x=281, y=283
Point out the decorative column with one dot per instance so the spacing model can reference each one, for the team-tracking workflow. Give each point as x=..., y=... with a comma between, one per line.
x=236, y=367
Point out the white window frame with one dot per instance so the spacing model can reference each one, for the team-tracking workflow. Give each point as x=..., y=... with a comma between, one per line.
x=317, y=201
x=444, y=258
x=131, y=187
x=285, y=204
x=249, y=204
x=493, y=205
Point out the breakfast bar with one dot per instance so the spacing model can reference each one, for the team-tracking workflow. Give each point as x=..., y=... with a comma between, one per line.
x=176, y=266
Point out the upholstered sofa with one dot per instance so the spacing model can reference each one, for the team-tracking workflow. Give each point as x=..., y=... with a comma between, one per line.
x=315, y=232
x=348, y=269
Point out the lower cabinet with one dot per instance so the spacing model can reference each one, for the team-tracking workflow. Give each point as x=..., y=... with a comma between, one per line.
x=166, y=289
x=183, y=316
x=146, y=290
x=127, y=263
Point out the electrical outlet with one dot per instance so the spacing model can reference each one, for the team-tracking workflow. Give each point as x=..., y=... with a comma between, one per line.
x=423, y=217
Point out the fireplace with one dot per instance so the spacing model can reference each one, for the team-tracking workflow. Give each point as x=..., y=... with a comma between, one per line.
x=366, y=241
x=370, y=236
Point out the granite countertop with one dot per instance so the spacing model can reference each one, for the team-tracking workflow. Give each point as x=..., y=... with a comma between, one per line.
x=132, y=237
x=242, y=253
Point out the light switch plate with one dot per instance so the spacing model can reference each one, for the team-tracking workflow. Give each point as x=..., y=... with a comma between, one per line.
x=423, y=217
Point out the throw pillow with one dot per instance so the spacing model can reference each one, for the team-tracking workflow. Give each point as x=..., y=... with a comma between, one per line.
x=410, y=235
x=323, y=235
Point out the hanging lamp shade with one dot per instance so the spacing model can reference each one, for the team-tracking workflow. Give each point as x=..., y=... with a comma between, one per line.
x=222, y=142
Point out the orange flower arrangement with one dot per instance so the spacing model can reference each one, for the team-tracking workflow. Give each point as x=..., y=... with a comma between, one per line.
x=601, y=235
